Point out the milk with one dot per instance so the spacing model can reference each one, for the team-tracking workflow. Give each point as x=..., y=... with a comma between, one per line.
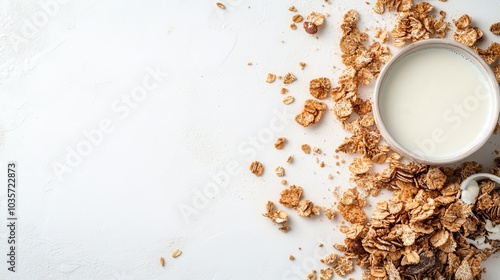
x=435, y=103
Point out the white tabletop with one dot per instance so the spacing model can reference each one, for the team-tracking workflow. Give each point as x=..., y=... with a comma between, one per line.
x=133, y=124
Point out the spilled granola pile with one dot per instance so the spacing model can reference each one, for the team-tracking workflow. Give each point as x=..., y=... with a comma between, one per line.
x=423, y=231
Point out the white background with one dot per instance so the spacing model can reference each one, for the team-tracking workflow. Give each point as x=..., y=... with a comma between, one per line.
x=68, y=66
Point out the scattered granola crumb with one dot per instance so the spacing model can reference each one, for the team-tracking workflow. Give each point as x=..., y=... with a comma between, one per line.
x=293, y=26
x=302, y=65
x=329, y=213
x=312, y=275
x=297, y=18
x=220, y=5
x=283, y=182
x=320, y=245
x=330, y=176
x=306, y=148
x=316, y=19
x=283, y=90
x=257, y=168
x=292, y=9
x=316, y=150
x=280, y=143
x=291, y=257
x=287, y=100
x=176, y=253
x=279, y=217
x=280, y=171
x=307, y=209
x=162, y=261
x=289, y=78
x=249, y=63
x=495, y=28
x=311, y=113
x=271, y=78
x=326, y=274
x=289, y=159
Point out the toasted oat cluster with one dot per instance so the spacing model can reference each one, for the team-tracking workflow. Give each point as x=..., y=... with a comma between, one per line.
x=350, y=206
x=421, y=231
x=289, y=78
x=392, y=5
x=291, y=197
x=496, y=71
x=311, y=113
x=277, y=216
x=325, y=274
x=307, y=209
x=363, y=65
x=417, y=24
x=466, y=34
x=257, y=168
x=320, y=88
x=495, y=28
x=280, y=143
x=491, y=54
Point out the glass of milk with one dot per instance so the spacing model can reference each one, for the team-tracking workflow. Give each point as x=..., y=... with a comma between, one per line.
x=436, y=102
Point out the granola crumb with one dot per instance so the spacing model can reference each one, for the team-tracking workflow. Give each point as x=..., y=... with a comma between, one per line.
x=283, y=90
x=322, y=164
x=292, y=9
x=312, y=275
x=289, y=78
x=495, y=28
x=220, y=5
x=307, y=209
x=289, y=159
x=330, y=176
x=306, y=148
x=257, y=168
x=302, y=65
x=287, y=100
x=176, y=253
x=291, y=257
x=280, y=171
x=280, y=143
x=271, y=78
x=293, y=26
x=249, y=63
x=297, y=18
x=162, y=261
x=283, y=182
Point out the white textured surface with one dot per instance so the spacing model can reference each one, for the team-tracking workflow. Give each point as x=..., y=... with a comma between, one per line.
x=119, y=208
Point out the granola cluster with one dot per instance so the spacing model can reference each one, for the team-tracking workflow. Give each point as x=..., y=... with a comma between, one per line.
x=279, y=217
x=416, y=23
x=311, y=113
x=291, y=198
x=465, y=33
